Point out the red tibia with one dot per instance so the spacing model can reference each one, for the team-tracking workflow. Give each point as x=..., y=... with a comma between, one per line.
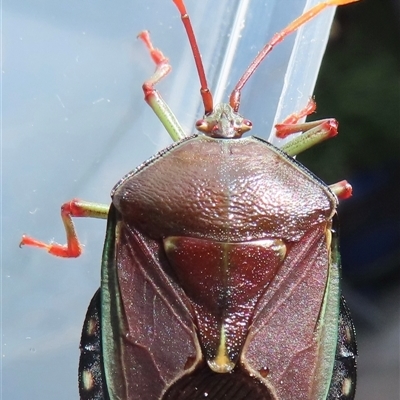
x=296, y=117
x=329, y=127
x=73, y=208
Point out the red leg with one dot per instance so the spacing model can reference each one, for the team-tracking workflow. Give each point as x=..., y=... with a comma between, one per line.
x=314, y=132
x=153, y=97
x=163, y=67
x=73, y=208
x=296, y=117
x=342, y=189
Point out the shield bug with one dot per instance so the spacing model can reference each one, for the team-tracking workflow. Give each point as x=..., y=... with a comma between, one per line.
x=220, y=270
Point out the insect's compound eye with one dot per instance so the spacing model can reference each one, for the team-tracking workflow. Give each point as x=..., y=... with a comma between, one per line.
x=203, y=126
x=246, y=125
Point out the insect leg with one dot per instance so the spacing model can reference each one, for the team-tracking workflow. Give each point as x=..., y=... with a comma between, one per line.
x=73, y=208
x=293, y=119
x=342, y=189
x=153, y=97
x=314, y=132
